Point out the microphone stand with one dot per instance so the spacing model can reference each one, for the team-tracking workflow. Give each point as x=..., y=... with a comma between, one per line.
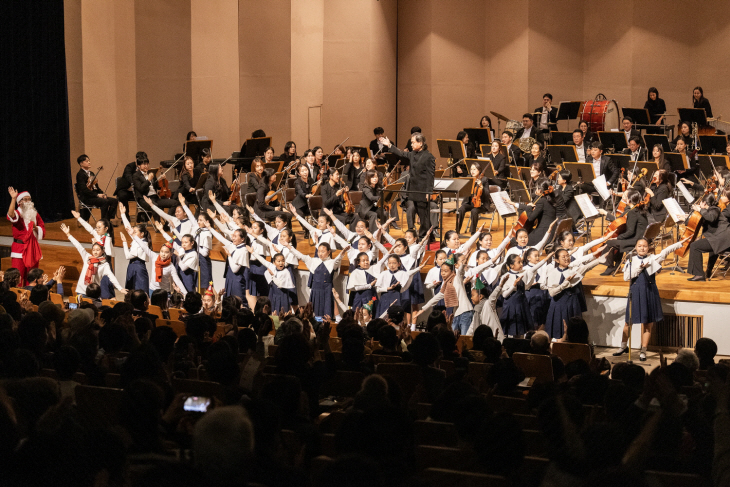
x=629, y=296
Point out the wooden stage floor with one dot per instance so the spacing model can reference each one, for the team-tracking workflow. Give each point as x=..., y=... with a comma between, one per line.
x=672, y=285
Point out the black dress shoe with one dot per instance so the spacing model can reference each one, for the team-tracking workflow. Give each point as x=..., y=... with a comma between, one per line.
x=609, y=270
x=697, y=278
x=621, y=352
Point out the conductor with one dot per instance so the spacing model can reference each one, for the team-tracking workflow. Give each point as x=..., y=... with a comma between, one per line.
x=422, y=172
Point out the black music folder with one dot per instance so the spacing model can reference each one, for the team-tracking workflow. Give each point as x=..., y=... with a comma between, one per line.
x=568, y=110
x=650, y=140
x=562, y=153
x=693, y=115
x=713, y=144
x=256, y=147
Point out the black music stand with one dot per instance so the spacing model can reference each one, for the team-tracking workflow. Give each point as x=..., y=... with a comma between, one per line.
x=622, y=160
x=650, y=140
x=393, y=159
x=568, y=110
x=706, y=161
x=194, y=148
x=276, y=166
x=332, y=160
x=561, y=138
x=518, y=191
x=364, y=151
x=479, y=136
x=562, y=153
x=451, y=149
x=677, y=161
x=452, y=186
x=484, y=165
x=580, y=171
x=640, y=116
x=519, y=172
x=613, y=140
x=256, y=147
x=693, y=115
x=651, y=167
x=713, y=144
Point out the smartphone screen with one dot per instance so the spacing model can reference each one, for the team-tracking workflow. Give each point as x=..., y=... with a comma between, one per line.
x=72, y=306
x=197, y=404
x=318, y=319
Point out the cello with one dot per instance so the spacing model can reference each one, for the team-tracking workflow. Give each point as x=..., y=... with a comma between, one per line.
x=522, y=219
x=235, y=198
x=693, y=223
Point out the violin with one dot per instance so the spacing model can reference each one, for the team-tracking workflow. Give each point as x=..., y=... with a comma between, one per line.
x=273, y=196
x=164, y=191
x=555, y=173
x=622, y=204
x=476, y=200
x=235, y=198
x=93, y=180
x=693, y=224
x=349, y=206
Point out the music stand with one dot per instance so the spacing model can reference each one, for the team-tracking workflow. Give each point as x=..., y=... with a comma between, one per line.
x=713, y=144
x=275, y=166
x=651, y=167
x=479, y=136
x=677, y=161
x=466, y=190
x=256, y=147
x=706, y=165
x=451, y=149
x=364, y=151
x=518, y=191
x=650, y=140
x=339, y=163
x=453, y=186
x=563, y=153
x=561, y=138
x=194, y=148
x=640, y=116
x=568, y=110
x=332, y=160
x=393, y=159
x=580, y=171
x=622, y=160
x=613, y=140
x=693, y=115
x=485, y=149
x=521, y=173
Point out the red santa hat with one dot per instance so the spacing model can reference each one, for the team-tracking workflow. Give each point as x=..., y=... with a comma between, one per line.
x=210, y=291
x=22, y=195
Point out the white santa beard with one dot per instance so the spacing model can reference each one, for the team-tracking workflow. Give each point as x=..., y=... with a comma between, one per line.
x=28, y=212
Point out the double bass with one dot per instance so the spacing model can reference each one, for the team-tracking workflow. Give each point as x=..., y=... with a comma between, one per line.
x=693, y=223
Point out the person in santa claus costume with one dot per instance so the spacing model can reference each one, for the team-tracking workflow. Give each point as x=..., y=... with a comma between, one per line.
x=28, y=230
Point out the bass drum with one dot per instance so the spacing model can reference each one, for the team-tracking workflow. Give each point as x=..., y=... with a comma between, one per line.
x=601, y=115
x=513, y=126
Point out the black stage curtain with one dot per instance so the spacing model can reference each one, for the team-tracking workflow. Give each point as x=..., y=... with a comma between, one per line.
x=34, y=133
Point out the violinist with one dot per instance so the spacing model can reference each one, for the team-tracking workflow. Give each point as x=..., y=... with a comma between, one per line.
x=659, y=190
x=565, y=191
x=188, y=181
x=353, y=170
x=459, y=170
x=481, y=186
x=370, y=166
x=500, y=164
x=290, y=152
x=146, y=184
x=265, y=208
x=268, y=155
x=376, y=145
x=256, y=176
x=602, y=165
x=88, y=191
x=371, y=194
x=685, y=133
x=217, y=184
x=537, y=174
x=636, y=222
x=333, y=199
x=716, y=233
x=535, y=157
x=319, y=163
x=657, y=154
x=303, y=187
x=204, y=163
x=541, y=213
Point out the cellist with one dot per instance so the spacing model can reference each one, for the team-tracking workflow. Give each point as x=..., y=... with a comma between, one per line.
x=472, y=204
x=716, y=233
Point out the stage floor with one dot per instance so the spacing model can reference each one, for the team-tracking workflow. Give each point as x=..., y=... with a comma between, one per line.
x=672, y=285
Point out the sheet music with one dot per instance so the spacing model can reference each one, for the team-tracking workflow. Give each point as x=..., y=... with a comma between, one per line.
x=503, y=208
x=441, y=184
x=674, y=210
x=586, y=206
x=602, y=187
x=683, y=189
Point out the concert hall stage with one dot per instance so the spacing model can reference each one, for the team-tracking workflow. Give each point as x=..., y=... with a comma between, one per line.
x=606, y=296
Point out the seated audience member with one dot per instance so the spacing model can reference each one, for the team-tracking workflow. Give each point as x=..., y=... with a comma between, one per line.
x=93, y=291
x=66, y=362
x=38, y=294
x=688, y=358
x=706, y=349
x=141, y=303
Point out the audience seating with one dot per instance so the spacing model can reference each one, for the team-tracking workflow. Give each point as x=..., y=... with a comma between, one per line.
x=477, y=375
x=430, y=456
x=674, y=479
x=569, y=352
x=344, y=383
x=177, y=326
x=407, y=376
x=538, y=366
x=442, y=476
x=175, y=313
x=535, y=443
x=99, y=405
x=377, y=358
x=198, y=388
x=56, y=298
x=155, y=310
x=109, y=302
x=514, y=405
x=435, y=433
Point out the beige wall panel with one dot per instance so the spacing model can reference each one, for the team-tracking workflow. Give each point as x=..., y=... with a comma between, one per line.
x=164, y=93
x=383, y=61
x=264, y=70
x=214, y=70
x=307, y=66
x=74, y=79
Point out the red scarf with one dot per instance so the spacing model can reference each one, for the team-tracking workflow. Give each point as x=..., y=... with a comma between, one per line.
x=160, y=266
x=92, y=269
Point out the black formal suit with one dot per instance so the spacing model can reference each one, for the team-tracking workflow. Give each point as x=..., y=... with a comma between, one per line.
x=552, y=117
x=634, y=133
x=124, y=189
x=423, y=168
x=368, y=208
x=300, y=200
x=567, y=195
x=584, y=150
x=335, y=203
x=188, y=182
x=92, y=197
x=515, y=154
x=263, y=209
x=641, y=154
x=219, y=188
x=374, y=148
x=141, y=189
x=529, y=161
x=608, y=168
x=716, y=233
x=636, y=223
x=351, y=175
x=544, y=211
x=657, y=210
x=704, y=103
x=501, y=170
x=254, y=182
x=534, y=133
